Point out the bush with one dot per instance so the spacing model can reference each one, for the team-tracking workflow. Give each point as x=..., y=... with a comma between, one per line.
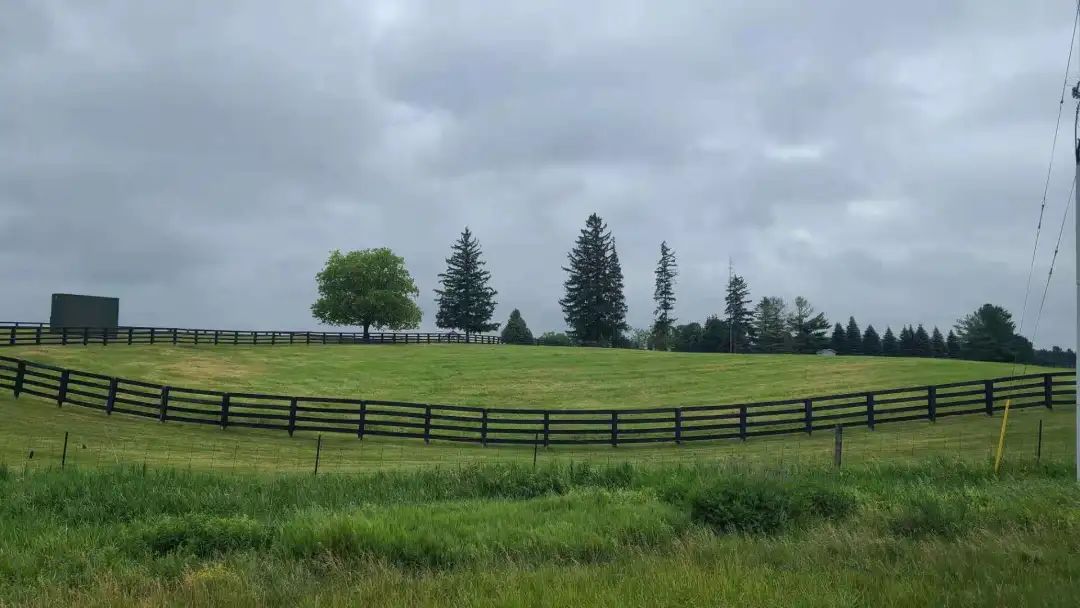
x=516, y=331
x=551, y=338
x=931, y=516
x=765, y=506
x=200, y=535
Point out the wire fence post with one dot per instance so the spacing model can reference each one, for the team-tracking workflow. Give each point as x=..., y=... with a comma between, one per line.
x=318, y=452
x=1038, y=449
x=838, y=445
x=536, y=445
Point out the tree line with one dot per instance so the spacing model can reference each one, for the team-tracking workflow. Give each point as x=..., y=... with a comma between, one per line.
x=373, y=288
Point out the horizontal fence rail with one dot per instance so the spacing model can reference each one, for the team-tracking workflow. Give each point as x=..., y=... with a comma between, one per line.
x=521, y=426
x=40, y=334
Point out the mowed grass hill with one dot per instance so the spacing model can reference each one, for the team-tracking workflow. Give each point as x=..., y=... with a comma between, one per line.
x=511, y=376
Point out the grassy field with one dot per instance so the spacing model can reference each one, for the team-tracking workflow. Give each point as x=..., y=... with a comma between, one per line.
x=510, y=376
x=144, y=513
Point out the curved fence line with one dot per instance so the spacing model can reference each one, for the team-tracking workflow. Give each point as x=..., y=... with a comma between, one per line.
x=40, y=334
x=497, y=425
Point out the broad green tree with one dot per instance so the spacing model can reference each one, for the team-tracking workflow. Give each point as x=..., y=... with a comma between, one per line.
x=516, y=331
x=664, y=295
x=594, y=305
x=368, y=288
x=988, y=334
x=466, y=301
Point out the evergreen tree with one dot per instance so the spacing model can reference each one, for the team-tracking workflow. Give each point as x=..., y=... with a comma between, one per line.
x=938, y=347
x=664, y=295
x=907, y=341
x=889, y=345
x=594, y=305
x=988, y=334
x=952, y=345
x=807, y=328
x=839, y=340
x=871, y=343
x=770, y=326
x=466, y=302
x=921, y=345
x=516, y=331
x=740, y=320
x=853, y=337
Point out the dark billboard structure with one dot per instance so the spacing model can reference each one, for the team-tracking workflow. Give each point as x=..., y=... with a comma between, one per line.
x=70, y=310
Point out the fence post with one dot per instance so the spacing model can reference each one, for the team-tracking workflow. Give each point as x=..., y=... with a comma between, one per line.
x=11, y=341
x=273, y=338
x=226, y=402
x=292, y=336
x=838, y=445
x=61, y=393
x=989, y=388
x=931, y=403
x=484, y=428
x=173, y=335
x=164, y=404
x=63, y=336
x=37, y=335
x=307, y=338
x=110, y=401
x=427, y=424
x=678, y=426
x=547, y=428
x=63, y=457
x=870, y=411
x=614, y=429
x=131, y=331
x=153, y=334
x=196, y=337
x=20, y=374
x=85, y=336
x=235, y=337
x=105, y=336
x=1038, y=450
x=742, y=422
x=808, y=414
x=1048, y=391
x=254, y=338
x=318, y=452
x=360, y=430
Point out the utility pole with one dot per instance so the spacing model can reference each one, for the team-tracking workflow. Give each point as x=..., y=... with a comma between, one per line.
x=1076, y=153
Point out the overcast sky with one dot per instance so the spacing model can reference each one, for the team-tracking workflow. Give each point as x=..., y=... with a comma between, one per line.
x=200, y=159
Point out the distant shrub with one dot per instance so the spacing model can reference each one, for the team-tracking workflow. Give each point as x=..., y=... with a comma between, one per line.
x=200, y=535
x=552, y=338
x=762, y=506
x=516, y=331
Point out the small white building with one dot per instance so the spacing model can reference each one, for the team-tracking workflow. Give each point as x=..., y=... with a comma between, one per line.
x=827, y=352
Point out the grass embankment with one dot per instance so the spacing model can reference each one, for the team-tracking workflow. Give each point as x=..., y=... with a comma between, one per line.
x=935, y=534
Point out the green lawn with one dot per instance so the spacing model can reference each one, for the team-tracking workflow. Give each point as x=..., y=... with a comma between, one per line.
x=510, y=376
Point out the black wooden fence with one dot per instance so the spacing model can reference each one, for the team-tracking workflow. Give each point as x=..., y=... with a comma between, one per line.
x=39, y=334
x=499, y=425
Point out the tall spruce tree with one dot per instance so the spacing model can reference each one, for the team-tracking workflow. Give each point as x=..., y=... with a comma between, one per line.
x=664, y=295
x=516, y=331
x=770, y=325
x=871, y=342
x=952, y=345
x=907, y=341
x=740, y=319
x=938, y=348
x=466, y=302
x=594, y=305
x=921, y=345
x=839, y=340
x=889, y=345
x=807, y=328
x=853, y=337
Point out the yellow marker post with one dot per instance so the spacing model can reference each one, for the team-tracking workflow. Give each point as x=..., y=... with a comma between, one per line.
x=1001, y=438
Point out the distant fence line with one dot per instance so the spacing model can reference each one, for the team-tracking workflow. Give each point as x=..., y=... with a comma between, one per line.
x=526, y=426
x=40, y=334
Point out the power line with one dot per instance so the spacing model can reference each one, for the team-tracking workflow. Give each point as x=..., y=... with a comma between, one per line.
x=1049, y=168
x=1053, y=261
